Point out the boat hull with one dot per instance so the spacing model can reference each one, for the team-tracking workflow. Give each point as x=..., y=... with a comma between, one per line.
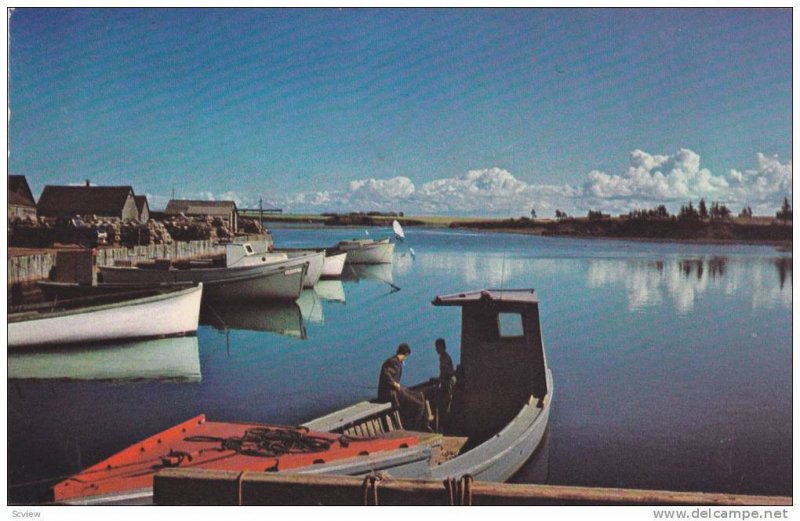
x=501, y=456
x=333, y=265
x=264, y=282
x=171, y=314
x=367, y=252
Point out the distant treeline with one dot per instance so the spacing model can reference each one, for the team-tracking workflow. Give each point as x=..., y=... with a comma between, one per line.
x=626, y=227
x=368, y=219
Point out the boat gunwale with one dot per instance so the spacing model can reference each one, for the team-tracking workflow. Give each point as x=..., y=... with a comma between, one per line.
x=26, y=316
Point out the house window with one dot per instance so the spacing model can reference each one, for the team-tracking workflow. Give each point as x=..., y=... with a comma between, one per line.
x=509, y=325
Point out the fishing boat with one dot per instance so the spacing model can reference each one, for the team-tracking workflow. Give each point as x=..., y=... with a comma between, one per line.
x=501, y=402
x=137, y=314
x=171, y=359
x=366, y=251
x=258, y=253
x=127, y=477
x=240, y=280
x=496, y=418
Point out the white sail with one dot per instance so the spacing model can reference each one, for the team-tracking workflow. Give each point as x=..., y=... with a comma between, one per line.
x=398, y=230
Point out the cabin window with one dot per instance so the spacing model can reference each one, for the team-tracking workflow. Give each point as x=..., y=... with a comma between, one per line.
x=509, y=325
x=248, y=249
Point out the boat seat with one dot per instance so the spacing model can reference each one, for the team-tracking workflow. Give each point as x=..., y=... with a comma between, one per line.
x=351, y=415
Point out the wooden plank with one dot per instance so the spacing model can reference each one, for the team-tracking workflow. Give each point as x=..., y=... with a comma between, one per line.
x=196, y=486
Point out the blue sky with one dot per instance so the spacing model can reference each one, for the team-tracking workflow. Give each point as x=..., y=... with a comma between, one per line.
x=429, y=111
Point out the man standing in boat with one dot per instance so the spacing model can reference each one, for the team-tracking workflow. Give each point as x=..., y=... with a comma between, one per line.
x=447, y=377
x=411, y=403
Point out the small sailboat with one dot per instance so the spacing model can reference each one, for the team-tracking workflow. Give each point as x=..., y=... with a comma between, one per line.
x=398, y=231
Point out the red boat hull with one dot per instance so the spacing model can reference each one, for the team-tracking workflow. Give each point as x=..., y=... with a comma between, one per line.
x=134, y=467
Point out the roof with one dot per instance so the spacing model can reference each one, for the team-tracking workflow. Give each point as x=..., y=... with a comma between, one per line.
x=19, y=192
x=141, y=202
x=190, y=207
x=522, y=296
x=83, y=200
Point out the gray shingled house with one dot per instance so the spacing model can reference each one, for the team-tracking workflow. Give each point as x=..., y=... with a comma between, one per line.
x=102, y=201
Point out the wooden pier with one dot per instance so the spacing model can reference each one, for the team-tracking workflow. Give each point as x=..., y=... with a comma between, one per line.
x=203, y=487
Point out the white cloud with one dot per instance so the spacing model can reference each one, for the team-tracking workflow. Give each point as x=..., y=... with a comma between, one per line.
x=650, y=179
x=658, y=177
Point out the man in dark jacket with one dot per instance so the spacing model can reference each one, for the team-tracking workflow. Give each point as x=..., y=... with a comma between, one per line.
x=411, y=403
x=447, y=377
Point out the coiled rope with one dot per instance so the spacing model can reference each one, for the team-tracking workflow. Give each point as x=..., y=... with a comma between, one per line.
x=270, y=442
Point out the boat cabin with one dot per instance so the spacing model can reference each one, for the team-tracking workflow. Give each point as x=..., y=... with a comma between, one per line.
x=250, y=254
x=502, y=358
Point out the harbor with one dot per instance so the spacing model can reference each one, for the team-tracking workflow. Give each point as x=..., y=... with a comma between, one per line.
x=404, y=257
x=357, y=322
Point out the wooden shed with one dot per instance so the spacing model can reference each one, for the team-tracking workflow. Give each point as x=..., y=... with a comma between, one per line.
x=103, y=201
x=142, y=207
x=20, y=199
x=226, y=210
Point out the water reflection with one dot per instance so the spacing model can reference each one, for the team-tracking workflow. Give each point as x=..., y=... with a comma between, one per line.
x=373, y=272
x=683, y=281
x=283, y=318
x=311, y=306
x=331, y=290
x=160, y=359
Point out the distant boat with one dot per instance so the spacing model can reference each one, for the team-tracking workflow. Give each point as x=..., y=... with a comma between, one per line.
x=163, y=312
x=366, y=251
x=398, y=231
x=174, y=359
x=280, y=280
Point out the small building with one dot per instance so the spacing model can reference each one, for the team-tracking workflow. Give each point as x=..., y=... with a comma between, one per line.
x=102, y=201
x=142, y=207
x=226, y=210
x=20, y=199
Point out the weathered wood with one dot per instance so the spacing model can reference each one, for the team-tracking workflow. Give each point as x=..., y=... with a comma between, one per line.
x=196, y=486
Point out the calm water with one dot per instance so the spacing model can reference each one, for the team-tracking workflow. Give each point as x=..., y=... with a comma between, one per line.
x=671, y=362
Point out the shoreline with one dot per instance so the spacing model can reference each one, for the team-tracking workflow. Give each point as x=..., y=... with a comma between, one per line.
x=288, y=224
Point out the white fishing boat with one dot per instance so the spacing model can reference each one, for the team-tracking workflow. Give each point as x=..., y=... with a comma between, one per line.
x=258, y=253
x=366, y=251
x=164, y=312
x=332, y=264
x=174, y=359
x=263, y=281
